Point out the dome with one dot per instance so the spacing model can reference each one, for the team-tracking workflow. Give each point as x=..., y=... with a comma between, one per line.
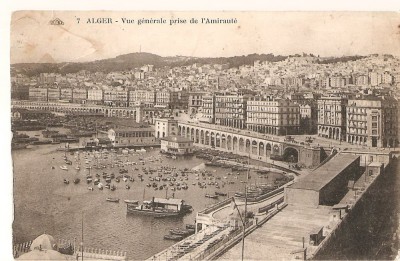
x=44, y=242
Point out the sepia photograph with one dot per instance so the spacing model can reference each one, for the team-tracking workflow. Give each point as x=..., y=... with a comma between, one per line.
x=213, y=135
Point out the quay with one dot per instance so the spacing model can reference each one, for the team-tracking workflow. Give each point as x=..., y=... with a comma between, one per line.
x=299, y=221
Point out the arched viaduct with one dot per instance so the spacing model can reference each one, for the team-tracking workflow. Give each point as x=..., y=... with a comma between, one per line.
x=251, y=144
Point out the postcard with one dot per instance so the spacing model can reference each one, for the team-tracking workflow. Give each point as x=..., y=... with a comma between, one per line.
x=212, y=135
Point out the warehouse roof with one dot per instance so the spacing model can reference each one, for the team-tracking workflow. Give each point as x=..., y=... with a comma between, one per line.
x=317, y=179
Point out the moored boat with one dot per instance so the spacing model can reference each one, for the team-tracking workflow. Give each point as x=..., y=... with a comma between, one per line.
x=211, y=196
x=173, y=237
x=130, y=201
x=160, y=207
x=115, y=200
x=64, y=167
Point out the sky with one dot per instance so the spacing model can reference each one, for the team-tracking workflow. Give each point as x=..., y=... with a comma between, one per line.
x=33, y=39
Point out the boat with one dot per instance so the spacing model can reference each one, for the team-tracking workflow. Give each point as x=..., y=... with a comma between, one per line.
x=66, y=181
x=160, y=207
x=68, y=162
x=127, y=187
x=115, y=200
x=64, y=167
x=180, y=232
x=90, y=188
x=173, y=237
x=76, y=181
x=131, y=201
x=211, y=196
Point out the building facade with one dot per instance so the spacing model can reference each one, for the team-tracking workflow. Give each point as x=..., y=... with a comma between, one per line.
x=176, y=145
x=372, y=122
x=165, y=127
x=208, y=108
x=277, y=117
x=163, y=98
x=332, y=117
x=195, y=102
x=38, y=94
x=53, y=94
x=141, y=96
x=230, y=110
x=95, y=96
x=79, y=95
x=131, y=136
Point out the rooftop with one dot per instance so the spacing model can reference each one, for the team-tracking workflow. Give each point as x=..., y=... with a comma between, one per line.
x=170, y=201
x=317, y=179
x=176, y=139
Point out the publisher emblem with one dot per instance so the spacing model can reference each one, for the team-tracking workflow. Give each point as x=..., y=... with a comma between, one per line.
x=56, y=21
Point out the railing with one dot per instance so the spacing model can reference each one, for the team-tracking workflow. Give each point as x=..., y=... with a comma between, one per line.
x=230, y=237
x=97, y=253
x=216, y=206
x=68, y=247
x=21, y=248
x=271, y=205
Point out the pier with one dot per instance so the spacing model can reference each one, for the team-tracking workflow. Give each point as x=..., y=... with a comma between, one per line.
x=289, y=224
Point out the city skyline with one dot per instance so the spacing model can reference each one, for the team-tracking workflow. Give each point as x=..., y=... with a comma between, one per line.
x=321, y=33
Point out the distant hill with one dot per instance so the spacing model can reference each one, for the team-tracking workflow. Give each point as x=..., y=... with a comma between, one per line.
x=135, y=60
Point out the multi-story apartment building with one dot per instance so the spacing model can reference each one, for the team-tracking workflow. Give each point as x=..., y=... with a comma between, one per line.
x=141, y=96
x=53, y=94
x=208, y=108
x=163, y=99
x=195, y=102
x=95, y=96
x=230, y=110
x=361, y=80
x=66, y=94
x=372, y=121
x=277, y=117
x=116, y=98
x=332, y=117
x=38, y=94
x=308, y=118
x=121, y=98
x=179, y=100
x=375, y=78
x=79, y=95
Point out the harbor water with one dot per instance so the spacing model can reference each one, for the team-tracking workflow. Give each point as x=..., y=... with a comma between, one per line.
x=44, y=204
